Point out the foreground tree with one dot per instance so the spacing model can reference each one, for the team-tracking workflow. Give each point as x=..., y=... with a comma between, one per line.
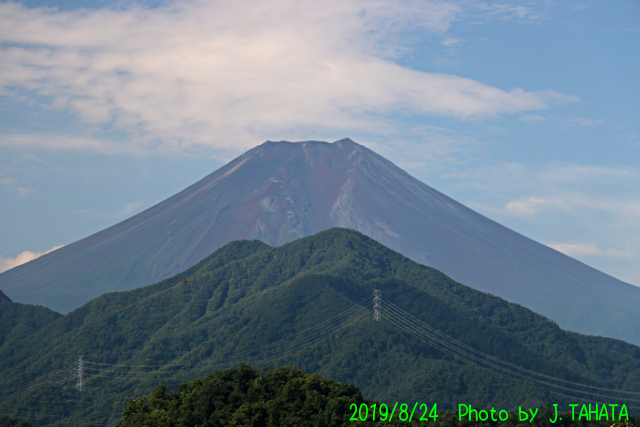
x=247, y=397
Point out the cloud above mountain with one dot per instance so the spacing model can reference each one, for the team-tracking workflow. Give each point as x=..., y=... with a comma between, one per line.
x=225, y=74
x=23, y=257
x=589, y=249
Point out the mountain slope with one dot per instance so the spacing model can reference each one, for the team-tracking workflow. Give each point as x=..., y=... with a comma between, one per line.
x=280, y=191
x=289, y=305
x=18, y=320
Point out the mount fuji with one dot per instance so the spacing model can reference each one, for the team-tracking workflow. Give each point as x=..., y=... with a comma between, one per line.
x=278, y=192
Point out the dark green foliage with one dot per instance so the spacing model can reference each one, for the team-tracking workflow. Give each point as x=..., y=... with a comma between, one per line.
x=13, y=422
x=289, y=397
x=46, y=404
x=19, y=320
x=246, y=296
x=247, y=397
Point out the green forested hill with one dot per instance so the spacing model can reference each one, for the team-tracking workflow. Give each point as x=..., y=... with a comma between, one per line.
x=298, y=305
x=19, y=320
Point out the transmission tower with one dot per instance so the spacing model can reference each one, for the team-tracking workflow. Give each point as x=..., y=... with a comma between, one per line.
x=80, y=381
x=376, y=305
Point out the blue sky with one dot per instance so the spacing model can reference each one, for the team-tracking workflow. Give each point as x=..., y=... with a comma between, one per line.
x=526, y=111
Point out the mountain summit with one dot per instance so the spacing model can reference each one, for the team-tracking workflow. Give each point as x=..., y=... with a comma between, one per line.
x=280, y=191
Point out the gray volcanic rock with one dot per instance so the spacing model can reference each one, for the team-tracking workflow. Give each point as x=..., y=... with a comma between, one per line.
x=280, y=191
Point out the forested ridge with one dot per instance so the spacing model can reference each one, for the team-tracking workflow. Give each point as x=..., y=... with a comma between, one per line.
x=295, y=305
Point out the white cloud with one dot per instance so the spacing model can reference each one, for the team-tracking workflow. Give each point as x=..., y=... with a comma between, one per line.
x=12, y=187
x=606, y=197
x=505, y=11
x=428, y=149
x=526, y=206
x=233, y=72
x=514, y=10
x=584, y=122
x=581, y=173
x=451, y=41
x=58, y=142
x=512, y=180
x=26, y=256
x=581, y=122
x=22, y=191
x=563, y=204
x=589, y=249
x=129, y=208
x=532, y=118
x=570, y=202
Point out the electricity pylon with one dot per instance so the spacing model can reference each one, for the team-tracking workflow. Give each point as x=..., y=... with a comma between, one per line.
x=376, y=305
x=80, y=381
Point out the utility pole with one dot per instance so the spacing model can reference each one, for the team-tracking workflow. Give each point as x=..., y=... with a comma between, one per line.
x=376, y=305
x=80, y=381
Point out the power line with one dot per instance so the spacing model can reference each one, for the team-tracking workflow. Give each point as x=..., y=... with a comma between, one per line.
x=472, y=362
x=70, y=366
x=58, y=376
x=488, y=356
x=292, y=344
x=300, y=336
x=465, y=353
x=265, y=353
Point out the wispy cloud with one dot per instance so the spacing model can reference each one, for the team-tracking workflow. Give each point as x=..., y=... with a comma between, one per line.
x=532, y=118
x=589, y=249
x=519, y=10
x=506, y=10
x=429, y=149
x=57, y=142
x=22, y=191
x=451, y=42
x=563, y=203
x=582, y=122
x=7, y=181
x=545, y=179
x=26, y=256
x=578, y=173
x=228, y=73
x=528, y=206
x=12, y=187
x=125, y=211
x=129, y=208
